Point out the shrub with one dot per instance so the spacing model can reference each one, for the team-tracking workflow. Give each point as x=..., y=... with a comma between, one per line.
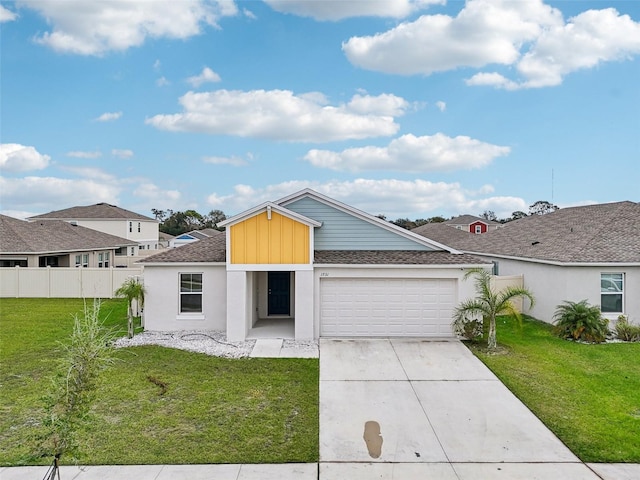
x=626, y=331
x=468, y=329
x=580, y=321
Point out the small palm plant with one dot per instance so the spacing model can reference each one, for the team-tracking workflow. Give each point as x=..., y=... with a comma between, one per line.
x=132, y=290
x=580, y=321
x=488, y=304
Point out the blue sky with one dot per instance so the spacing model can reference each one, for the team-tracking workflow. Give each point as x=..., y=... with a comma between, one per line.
x=407, y=108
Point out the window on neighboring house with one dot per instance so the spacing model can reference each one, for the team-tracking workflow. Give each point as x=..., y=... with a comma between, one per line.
x=138, y=227
x=103, y=260
x=478, y=228
x=82, y=261
x=190, y=293
x=130, y=227
x=133, y=251
x=612, y=292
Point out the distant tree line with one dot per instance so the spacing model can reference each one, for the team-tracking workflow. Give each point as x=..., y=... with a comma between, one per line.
x=541, y=207
x=176, y=223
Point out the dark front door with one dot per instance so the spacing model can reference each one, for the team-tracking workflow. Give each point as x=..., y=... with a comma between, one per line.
x=279, y=293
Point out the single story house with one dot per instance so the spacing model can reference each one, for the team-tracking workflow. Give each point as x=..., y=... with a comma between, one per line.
x=590, y=252
x=314, y=267
x=114, y=220
x=56, y=244
x=472, y=224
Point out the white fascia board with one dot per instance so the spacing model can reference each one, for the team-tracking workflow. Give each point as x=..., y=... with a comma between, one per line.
x=556, y=262
x=403, y=266
x=268, y=267
x=307, y=192
x=274, y=206
x=181, y=264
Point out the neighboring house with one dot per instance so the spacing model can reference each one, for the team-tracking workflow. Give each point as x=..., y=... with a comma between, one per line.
x=313, y=264
x=193, y=236
x=590, y=252
x=56, y=243
x=164, y=240
x=473, y=224
x=106, y=218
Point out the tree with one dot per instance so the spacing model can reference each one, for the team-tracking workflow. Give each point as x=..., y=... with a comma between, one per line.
x=542, y=207
x=213, y=218
x=72, y=390
x=518, y=214
x=159, y=214
x=436, y=219
x=489, y=215
x=132, y=290
x=488, y=303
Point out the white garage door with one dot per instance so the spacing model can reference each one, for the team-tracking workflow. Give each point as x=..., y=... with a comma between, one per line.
x=383, y=307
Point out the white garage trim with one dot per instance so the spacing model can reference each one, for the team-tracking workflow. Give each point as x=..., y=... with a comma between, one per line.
x=386, y=307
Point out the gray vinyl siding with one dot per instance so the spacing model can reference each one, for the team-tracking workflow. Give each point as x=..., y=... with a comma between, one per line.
x=342, y=231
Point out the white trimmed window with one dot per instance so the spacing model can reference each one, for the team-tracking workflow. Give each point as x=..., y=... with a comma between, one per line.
x=82, y=261
x=103, y=260
x=612, y=292
x=190, y=293
x=139, y=227
x=478, y=229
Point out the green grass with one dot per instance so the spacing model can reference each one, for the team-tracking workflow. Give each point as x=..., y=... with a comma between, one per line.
x=214, y=410
x=588, y=395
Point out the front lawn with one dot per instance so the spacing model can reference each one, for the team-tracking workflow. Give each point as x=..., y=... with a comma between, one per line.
x=214, y=410
x=588, y=395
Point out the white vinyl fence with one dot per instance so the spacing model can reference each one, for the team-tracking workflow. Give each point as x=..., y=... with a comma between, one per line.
x=21, y=282
x=500, y=282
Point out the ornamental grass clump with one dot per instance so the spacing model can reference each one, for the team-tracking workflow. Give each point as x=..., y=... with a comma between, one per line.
x=580, y=321
x=86, y=354
x=626, y=331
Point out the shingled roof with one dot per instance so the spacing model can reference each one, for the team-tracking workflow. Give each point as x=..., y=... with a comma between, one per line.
x=213, y=250
x=95, y=212
x=603, y=233
x=55, y=236
x=468, y=220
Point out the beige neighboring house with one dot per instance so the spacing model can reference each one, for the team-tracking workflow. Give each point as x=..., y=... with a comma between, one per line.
x=142, y=231
x=56, y=243
x=590, y=252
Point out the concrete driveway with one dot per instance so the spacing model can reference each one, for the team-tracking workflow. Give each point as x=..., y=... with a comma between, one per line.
x=402, y=408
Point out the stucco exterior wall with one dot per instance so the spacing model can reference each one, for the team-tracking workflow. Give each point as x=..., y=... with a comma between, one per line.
x=162, y=300
x=148, y=234
x=552, y=285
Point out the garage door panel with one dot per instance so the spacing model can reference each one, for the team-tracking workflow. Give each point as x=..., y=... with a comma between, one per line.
x=386, y=307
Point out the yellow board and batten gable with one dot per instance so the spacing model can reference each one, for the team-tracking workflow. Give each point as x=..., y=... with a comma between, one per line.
x=269, y=238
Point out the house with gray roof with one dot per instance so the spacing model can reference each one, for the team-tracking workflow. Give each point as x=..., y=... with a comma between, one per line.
x=307, y=266
x=113, y=220
x=472, y=224
x=590, y=252
x=192, y=236
x=56, y=243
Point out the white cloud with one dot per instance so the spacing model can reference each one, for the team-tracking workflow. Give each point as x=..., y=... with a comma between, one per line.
x=40, y=193
x=82, y=154
x=233, y=161
x=162, y=82
x=282, y=115
x=249, y=14
x=122, y=153
x=96, y=27
x=92, y=173
x=207, y=75
x=157, y=65
x=442, y=106
x=526, y=34
x=7, y=15
x=393, y=198
x=337, y=10
x=154, y=195
x=20, y=158
x=109, y=117
x=408, y=153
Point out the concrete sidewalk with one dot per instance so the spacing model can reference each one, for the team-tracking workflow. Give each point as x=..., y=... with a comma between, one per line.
x=285, y=471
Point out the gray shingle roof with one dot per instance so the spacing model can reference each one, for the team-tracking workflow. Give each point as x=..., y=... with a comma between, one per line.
x=18, y=236
x=468, y=220
x=392, y=257
x=603, y=233
x=97, y=211
x=213, y=249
